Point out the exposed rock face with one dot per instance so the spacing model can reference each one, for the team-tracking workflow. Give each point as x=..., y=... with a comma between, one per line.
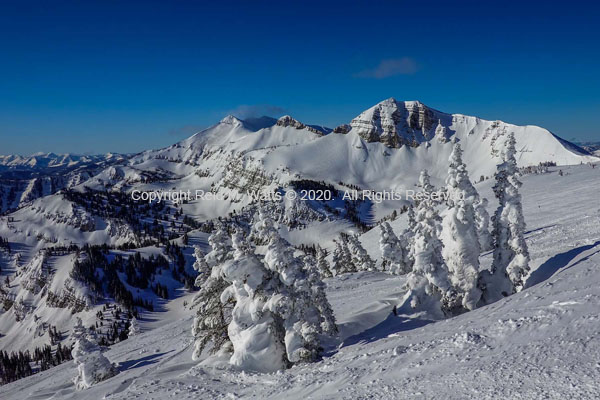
x=396, y=123
x=286, y=120
x=343, y=129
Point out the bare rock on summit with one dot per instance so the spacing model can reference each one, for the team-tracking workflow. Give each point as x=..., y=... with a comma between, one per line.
x=287, y=120
x=343, y=129
x=396, y=123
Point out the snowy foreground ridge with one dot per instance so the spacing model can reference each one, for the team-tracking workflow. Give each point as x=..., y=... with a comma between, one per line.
x=540, y=343
x=105, y=296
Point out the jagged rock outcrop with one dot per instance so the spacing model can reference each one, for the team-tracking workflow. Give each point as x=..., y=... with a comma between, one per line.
x=343, y=129
x=396, y=123
x=286, y=120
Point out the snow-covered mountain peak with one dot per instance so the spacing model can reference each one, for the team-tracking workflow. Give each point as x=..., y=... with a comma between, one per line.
x=231, y=120
x=287, y=120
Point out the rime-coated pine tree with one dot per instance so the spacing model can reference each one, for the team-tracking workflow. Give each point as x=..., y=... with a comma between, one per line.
x=425, y=186
x=441, y=133
x=425, y=182
x=212, y=315
x=511, y=256
x=412, y=218
x=392, y=251
x=342, y=258
x=220, y=246
x=360, y=258
x=328, y=324
x=262, y=227
x=428, y=283
x=322, y=263
x=134, y=327
x=337, y=258
x=482, y=219
x=256, y=333
x=295, y=304
x=407, y=237
x=92, y=366
x=459, y=234
x=201, y=266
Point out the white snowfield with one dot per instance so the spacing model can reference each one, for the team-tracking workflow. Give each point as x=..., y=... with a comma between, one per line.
x=543, y=342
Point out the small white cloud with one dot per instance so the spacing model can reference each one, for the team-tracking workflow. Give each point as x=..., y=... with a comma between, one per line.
x=257, y=110
x=390, y=67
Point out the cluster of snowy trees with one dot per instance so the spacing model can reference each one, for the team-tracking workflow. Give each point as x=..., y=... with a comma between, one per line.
x=4, y=244
x=350, y=256
x=441, y=255
x=264, y=310
x=264, y=307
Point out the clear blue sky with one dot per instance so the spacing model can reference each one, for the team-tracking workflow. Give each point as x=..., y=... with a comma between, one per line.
x=98, y=76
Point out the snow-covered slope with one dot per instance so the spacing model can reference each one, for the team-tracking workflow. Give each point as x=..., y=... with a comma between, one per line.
x=540, y=343
x=384, y=148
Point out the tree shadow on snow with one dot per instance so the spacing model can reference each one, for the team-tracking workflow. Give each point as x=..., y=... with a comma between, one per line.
x=392, y=324
x=141, y=362
x=555, y=263
x=540, y=229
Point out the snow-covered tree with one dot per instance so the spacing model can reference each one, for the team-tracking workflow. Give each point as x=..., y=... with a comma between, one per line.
x=392, y=251
x=263, y=226
x=294, y=304
x=322, y=263
x=459, y=233
x=257, y=334
x=425, y=186
x=511, y=256
x=212, y=315
x=482, y=219
x=220, y=246
x=79, y=330
x=360, y=258
x=407, y=238
x=328, y=324
x=428, y=283
x=412, y=218
x=425, y=182
x=342, y=258
x=92, y=365
x=441, y=133
x=201, y=266
x=134, y=327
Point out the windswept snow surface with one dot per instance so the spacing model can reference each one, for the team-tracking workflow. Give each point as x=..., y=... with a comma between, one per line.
x=543, y=342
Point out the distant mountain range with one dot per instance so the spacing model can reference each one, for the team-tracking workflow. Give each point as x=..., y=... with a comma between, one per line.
x=592, y=147
x=23, y=179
